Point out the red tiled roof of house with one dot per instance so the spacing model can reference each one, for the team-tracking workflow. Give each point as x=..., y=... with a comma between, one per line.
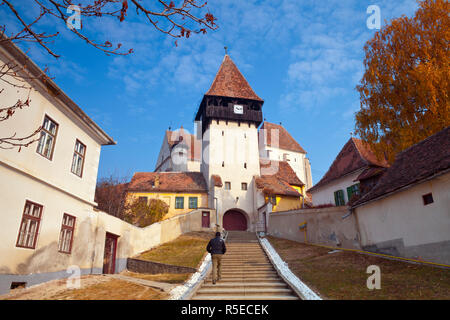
x=229, y=82
x=421, y=161
x=282, y=170
x=285, y=140
x=278, y=178
x=194, y=146
x=370, y=172
x=168, y=182
x=355, y=155
x=367, y=154
x=275, y=186
x=217, y=180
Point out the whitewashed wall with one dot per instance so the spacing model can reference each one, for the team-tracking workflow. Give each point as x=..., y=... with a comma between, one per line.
x=401, y=224
x=237, y=145
x=325, y=194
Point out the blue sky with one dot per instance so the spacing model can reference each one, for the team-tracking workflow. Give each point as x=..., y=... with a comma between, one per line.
x=304, y=58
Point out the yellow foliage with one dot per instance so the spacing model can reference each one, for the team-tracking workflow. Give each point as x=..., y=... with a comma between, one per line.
x=405, y=89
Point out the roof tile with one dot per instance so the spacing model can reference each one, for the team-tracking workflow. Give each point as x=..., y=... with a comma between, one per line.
x=420, y=161
x=229, y=82
x=285, y=140
x=355, y=155
x=168, y=182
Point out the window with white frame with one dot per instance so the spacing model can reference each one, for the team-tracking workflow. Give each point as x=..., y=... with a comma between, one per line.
x=179, y=202
x=66, y=234
x=193, y=202
x=29, y=226
x=78, y=158
x=47, y=139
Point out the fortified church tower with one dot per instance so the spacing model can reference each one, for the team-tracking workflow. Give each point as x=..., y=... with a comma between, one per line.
x=227, y=122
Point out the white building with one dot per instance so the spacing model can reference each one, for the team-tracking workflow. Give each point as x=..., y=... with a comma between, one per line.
x=353, y=163
x=275, y=143
x=407, y=213
x=228, y=149
x=180, y=152
x=227, y=120
x=47, y=189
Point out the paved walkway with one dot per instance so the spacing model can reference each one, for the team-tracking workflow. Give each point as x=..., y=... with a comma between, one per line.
x=247, y=274
x=166, y=287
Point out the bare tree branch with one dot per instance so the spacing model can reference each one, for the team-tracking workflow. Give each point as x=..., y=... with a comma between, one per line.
x=175, y=21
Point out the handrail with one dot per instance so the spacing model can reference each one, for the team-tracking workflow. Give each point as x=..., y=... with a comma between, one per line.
x=225, y=235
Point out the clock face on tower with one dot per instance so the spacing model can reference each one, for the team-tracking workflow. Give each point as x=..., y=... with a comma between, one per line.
x=238, y=109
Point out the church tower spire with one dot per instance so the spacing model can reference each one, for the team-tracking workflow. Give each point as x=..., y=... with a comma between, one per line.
x=230, y=97
x=229, y=116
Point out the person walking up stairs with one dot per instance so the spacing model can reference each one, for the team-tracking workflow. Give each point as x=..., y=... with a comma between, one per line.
x=247, y=274
x=216, y=247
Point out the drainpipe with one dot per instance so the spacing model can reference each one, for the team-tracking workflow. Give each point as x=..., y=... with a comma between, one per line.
x=217, y=211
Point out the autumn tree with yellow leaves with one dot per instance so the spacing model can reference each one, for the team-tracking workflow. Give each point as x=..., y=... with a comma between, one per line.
x=405, y=88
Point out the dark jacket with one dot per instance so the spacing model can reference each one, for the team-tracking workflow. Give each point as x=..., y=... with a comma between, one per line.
x=216, y=246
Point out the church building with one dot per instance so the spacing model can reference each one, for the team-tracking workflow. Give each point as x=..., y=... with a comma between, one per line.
x=250, y=167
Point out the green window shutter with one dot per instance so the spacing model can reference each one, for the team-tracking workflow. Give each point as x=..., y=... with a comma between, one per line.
x=193, y=202
x=339, y=198
x=354, y=189
x=349, y=192
x=179, y=203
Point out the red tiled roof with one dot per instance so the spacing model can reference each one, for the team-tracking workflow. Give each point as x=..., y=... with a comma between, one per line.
x=367, y=154
x=370, y=172
x=285, y=140
x=413, y=165
x=229, y=82
x=279, y=182
x=355, y=155
x=168, y=182
x=194, y=146
x=275, y=186
x=282, y=170
x=217, y=180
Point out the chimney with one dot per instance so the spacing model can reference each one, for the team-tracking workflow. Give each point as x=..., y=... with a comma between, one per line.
x=157, y=181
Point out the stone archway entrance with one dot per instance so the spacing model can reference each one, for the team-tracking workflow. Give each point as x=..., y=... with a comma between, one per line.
x=234, y=220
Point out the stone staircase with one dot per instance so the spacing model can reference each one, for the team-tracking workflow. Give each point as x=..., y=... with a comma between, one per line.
x=247, y=274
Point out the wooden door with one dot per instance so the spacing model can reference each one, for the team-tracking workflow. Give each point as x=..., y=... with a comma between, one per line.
x=109, y=257
x=234, y=220
x=205, y=219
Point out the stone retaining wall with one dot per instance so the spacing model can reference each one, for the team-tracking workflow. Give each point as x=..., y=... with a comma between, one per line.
x=151, y=267
x=329, y=226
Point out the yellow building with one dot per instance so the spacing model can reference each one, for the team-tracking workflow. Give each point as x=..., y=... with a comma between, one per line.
x=183, y=192
x=283, y=189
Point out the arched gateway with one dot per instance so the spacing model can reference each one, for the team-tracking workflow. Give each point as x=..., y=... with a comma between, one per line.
x=234, y=220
